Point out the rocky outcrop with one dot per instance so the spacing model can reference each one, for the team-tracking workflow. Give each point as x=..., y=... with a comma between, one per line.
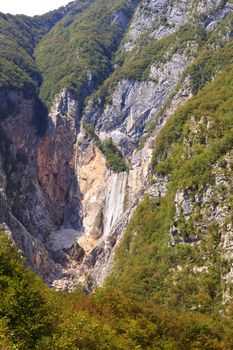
x=160, y=18
x=22, y=201
x=56, y=164
x=39, y=190
x=135, y=103
x=207, y=215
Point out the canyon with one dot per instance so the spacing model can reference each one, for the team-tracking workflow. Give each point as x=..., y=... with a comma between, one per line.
x=61, y=203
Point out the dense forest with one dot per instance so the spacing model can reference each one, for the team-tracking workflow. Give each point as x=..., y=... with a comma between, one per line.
x=34, y=317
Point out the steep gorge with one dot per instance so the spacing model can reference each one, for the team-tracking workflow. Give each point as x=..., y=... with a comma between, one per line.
x=123, y=67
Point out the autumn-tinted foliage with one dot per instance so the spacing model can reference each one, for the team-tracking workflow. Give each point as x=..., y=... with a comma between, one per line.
x=34, y=317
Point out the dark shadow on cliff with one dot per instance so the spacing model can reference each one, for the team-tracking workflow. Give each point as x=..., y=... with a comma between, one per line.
x=40, y=117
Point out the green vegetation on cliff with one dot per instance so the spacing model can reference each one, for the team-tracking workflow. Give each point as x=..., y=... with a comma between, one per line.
x=147, y=267
x=216, y=54
x=186, y=271
x=114, y=159
x=210, y=52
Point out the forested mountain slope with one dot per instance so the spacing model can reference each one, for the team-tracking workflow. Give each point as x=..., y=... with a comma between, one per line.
x=116, y=169
x=177, y=247
x=19, y=36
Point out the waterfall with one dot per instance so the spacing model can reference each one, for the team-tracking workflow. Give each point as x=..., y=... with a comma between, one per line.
x=114, y=205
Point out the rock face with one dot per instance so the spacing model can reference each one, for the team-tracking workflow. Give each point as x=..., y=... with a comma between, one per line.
x=209, y=210
x=162, y=17
x=23, y=206
x=66, y=210
x=134, y=103
x=56, y=164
